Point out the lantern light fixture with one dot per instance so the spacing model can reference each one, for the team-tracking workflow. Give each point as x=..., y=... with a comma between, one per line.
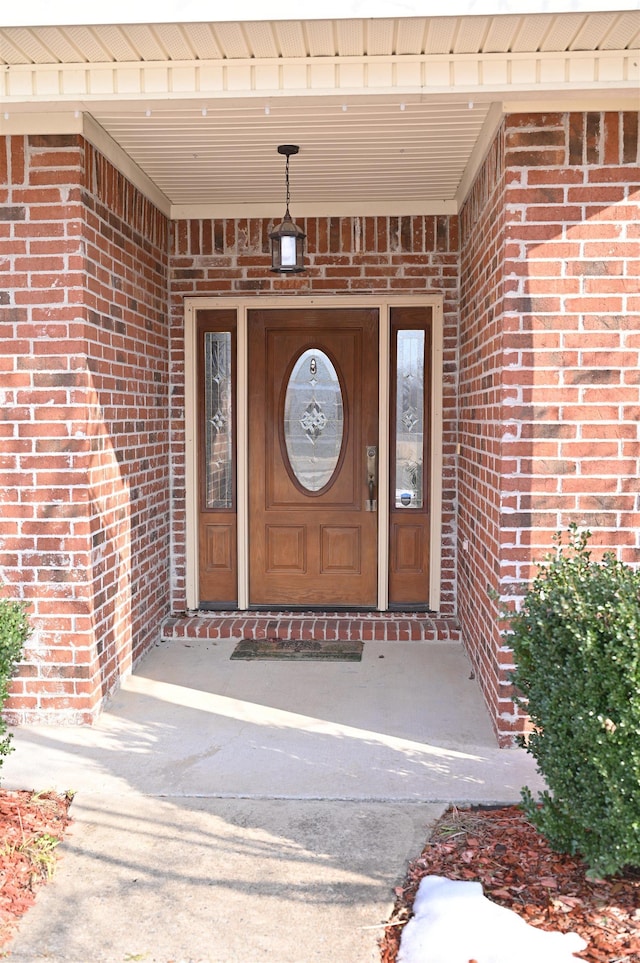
x=287, y=239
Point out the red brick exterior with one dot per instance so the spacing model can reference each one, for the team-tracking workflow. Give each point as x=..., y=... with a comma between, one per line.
x=84, y=530
x=549, y=363
x=541, y=383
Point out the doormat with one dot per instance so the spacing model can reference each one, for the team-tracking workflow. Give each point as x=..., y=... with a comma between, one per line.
x=307, y=649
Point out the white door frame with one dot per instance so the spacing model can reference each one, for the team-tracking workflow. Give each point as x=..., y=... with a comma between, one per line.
x=243, y=306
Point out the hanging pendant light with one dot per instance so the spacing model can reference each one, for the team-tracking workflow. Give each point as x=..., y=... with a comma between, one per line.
x=287, y=239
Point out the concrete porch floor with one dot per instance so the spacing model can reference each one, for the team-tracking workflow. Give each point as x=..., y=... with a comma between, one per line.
x=255, y=810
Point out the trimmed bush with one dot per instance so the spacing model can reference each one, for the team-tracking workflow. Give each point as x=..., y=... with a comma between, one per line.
x=576, y=644
x=14, y=631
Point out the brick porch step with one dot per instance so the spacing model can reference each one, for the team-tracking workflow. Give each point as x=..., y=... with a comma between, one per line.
x=319, y=626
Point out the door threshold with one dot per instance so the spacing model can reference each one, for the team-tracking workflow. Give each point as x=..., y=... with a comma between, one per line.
x=314, y=609
x=326, y=625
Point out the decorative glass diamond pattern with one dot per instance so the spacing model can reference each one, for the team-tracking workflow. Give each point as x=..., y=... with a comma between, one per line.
x=410, y=419
x=313, y=420
x=218, y=419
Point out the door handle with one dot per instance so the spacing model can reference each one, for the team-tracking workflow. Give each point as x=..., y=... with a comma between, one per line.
x=372, y=477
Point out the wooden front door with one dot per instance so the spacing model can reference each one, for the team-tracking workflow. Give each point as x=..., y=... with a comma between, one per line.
x=313, y=434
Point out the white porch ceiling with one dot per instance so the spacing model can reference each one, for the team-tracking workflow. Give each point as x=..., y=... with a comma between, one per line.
x=392, y=115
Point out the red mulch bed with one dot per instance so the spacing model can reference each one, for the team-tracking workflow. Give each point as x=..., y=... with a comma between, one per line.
x=517, y=869
x=31, y=825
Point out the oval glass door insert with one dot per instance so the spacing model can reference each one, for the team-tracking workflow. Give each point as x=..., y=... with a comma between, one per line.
x=313, y=420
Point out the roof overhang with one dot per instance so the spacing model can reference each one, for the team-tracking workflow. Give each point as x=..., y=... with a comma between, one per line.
x=393, y=116
x=66, y=12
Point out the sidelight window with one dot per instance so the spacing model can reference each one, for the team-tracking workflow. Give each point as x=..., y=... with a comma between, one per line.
x=218, y=419
x=409, y=419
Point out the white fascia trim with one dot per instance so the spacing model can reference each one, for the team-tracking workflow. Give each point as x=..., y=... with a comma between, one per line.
x=167, y=83
x=198, y=212
x=21, y=124
x=485, y=140
x=77, y=122
x=595, y=101
x=103, y=142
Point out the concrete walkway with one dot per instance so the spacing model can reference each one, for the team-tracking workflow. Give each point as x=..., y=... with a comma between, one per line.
x=247, y=811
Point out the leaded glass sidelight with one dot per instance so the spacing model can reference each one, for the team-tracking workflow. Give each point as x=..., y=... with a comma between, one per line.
x=409, y=419
x=313, y=420
x=218, y=415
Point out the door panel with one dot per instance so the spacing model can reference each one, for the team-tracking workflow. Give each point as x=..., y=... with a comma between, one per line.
x=340, y=549
x=311, y=540
x=285, y=549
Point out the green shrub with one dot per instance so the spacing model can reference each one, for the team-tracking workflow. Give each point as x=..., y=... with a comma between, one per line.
x=576, y=643
x=14, y=631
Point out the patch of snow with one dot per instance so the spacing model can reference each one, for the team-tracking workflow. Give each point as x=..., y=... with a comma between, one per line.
x=454, y=922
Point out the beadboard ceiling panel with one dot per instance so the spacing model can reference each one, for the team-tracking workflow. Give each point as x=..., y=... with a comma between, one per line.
x=375, y=153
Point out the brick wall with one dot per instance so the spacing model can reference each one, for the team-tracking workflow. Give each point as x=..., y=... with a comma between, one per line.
x=544, y=368
x=84, y=421
x=369, y=255
x=480, y=399
x=126, y=247
x=565, y=370
x=44, y=524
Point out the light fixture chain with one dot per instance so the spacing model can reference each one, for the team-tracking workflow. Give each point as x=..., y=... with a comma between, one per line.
x=287, y=179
